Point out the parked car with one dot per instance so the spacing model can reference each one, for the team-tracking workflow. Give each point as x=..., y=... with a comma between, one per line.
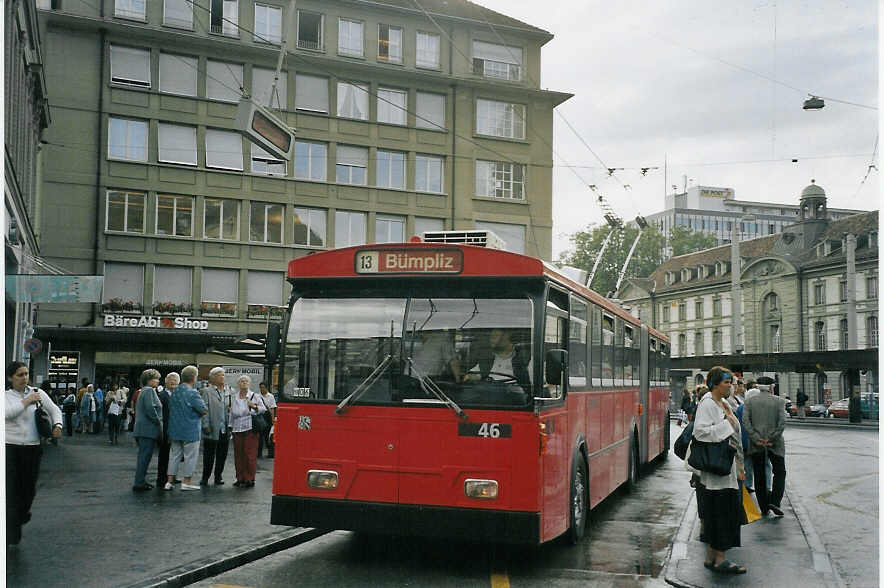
x=811, y=410
x=839, y=409
x=868, y=408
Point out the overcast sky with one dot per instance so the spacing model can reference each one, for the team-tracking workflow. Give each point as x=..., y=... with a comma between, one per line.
x=649, y=82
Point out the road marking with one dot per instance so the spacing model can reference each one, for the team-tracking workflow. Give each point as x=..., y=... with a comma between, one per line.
x=500, y=580
x=229, y=586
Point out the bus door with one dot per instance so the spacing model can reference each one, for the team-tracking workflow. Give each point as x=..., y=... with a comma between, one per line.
x=556, y=461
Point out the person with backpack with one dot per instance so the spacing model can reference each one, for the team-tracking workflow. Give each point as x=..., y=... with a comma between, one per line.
x=801, y=401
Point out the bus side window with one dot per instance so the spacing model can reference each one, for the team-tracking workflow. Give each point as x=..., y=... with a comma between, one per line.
x=664, y=365
x=577, y=350
x=619, y=352
x=553, y=338
x=628, y=354
x=652, y=361
x=607, y=350
x=596, y=354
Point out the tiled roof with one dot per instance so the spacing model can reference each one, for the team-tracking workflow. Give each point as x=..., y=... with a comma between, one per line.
x=463, y=9
x=858, y=224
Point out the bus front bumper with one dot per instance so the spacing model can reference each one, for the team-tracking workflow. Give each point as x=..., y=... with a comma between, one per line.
x=468, y=524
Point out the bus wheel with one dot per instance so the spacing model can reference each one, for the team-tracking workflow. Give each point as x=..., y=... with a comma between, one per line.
x=579, y=502
x=632, y=478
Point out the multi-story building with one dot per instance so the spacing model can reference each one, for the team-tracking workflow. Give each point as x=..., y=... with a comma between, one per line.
x=26, y=115
x=715, y=211
x=406, y=121
x=793, y=290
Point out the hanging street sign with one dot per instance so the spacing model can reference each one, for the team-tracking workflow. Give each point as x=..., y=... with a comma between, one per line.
x=57, y=289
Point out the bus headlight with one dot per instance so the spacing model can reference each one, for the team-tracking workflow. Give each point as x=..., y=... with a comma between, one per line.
x=480, y=488
x=322, y=479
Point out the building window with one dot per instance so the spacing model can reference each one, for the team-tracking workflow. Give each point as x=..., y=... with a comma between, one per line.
x=682, y=344
x=842, y=329
x=872, y=331
x=178, y=13
x=819, y=293
x=820, y=333
x=349, y=37
x=871, y=286
x=774, y=343
x=392, y=105
x=221, y=219
x=512, y=235
x=264, y=163
x=130, y=66
x=390, y=43
x=268, y=24
x=127, y=139
x=311, y=161
x=178, y=74
x=682, y=311
x=223, y=149
x=262, y=82
x=134, y=9
x=353, y=100
x=349, y=228
x=310, y=27
x=771, y=302
x=698, y=343
x=497, y=61
x=843, y=290
x=698, y=309
x=264, y=291
x=716, y=342
x=125, y=211
x=428, y=174
x=220, y=292
x=172, y=290
x=390, y=170
x=223, y=81
x=123, y=288
x=310, y=226
x=389, y=229
x=224, y=17
x=265, y=223
x=427, y=225
x=500, y=119
x=500, y=179
x=177, y=144
x=427, y=50
x=311, y=93
x=716, y=307
x=351, y=166
x=665, y=313
x=430, y=111
x=174, y=216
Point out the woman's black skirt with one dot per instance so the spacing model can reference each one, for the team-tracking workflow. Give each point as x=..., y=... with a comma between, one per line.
x=722, y=514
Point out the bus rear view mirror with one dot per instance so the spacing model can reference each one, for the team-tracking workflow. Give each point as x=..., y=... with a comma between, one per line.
x=556, y=363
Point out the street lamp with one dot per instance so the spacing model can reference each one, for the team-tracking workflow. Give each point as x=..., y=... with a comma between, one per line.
x=814, y=103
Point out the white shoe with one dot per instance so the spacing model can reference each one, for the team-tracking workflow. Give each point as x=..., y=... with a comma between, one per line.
x=189, y=486
x=168, y=486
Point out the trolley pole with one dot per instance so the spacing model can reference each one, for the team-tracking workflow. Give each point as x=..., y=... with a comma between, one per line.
x=615, y=223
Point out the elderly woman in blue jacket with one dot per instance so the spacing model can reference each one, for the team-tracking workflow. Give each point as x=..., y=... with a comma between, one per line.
x=186, y=409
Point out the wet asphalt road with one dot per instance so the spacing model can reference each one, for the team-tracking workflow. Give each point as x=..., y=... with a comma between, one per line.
x=835, y=474
x=627, y=543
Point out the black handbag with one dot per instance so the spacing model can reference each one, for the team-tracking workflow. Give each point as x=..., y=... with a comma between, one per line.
x=680, y=448
x=44, y=422
x=259, y=422
x=712, y=458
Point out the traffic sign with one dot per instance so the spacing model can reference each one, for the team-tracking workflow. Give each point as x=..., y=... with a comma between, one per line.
x=33, y=345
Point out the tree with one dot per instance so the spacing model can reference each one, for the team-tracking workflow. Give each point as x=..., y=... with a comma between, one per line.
x=587, y=244
x=683, y=240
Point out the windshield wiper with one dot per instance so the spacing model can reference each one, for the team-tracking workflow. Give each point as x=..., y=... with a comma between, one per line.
x=365, y=384
x=430, y=387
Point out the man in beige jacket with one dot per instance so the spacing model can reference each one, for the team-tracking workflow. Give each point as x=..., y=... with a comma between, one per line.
x=764, y=418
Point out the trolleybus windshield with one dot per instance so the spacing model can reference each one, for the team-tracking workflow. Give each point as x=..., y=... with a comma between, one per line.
x=478, y=351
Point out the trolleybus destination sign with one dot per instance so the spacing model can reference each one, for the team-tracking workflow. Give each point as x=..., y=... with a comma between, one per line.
x=409, y=261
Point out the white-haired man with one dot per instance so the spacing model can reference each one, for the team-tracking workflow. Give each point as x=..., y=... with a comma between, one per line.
x=216, y=426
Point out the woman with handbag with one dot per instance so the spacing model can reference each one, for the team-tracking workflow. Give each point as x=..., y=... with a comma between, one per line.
x=23, y=449
x=719, y=502
x=246, y=420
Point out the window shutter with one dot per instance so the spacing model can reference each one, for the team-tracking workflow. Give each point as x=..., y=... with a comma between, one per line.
x=430, y=111
x=124, y=281
x=178, y=74
x=220, y=285
x=223, y=81
x=130, y=66
x=223, y=149
x=265, y=288
x=495, y=52
x=262, y=81
x=177, y=144
x=311, y=93
x=172, y=284
x=348, y=155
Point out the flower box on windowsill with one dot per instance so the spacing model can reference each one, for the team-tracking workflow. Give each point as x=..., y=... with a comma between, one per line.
x=219, y=309
x=261, y=311
x=172, y=309
x=118, y=305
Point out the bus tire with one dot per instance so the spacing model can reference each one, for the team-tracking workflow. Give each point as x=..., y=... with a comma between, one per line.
x=632, y=472
x=578, y=506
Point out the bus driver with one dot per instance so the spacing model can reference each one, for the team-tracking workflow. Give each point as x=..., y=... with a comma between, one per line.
x=501, y=360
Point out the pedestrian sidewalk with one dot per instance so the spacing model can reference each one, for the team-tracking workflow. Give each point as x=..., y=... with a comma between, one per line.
x=775, y=552
x=90, y=529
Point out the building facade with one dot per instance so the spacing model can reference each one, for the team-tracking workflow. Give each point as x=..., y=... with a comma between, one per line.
x=406, y=121
x=715, y=211
x=794, y=294
x=26, y=116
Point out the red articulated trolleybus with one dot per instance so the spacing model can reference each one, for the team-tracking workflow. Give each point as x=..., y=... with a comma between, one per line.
x=451, y=390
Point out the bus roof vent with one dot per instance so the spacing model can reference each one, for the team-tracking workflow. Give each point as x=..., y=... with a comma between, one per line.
x=477, y=237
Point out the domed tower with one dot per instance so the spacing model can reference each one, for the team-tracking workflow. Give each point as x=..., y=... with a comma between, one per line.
x=813, y=203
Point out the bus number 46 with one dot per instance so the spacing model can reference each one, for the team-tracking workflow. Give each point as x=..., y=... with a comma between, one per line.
x=490, y=430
